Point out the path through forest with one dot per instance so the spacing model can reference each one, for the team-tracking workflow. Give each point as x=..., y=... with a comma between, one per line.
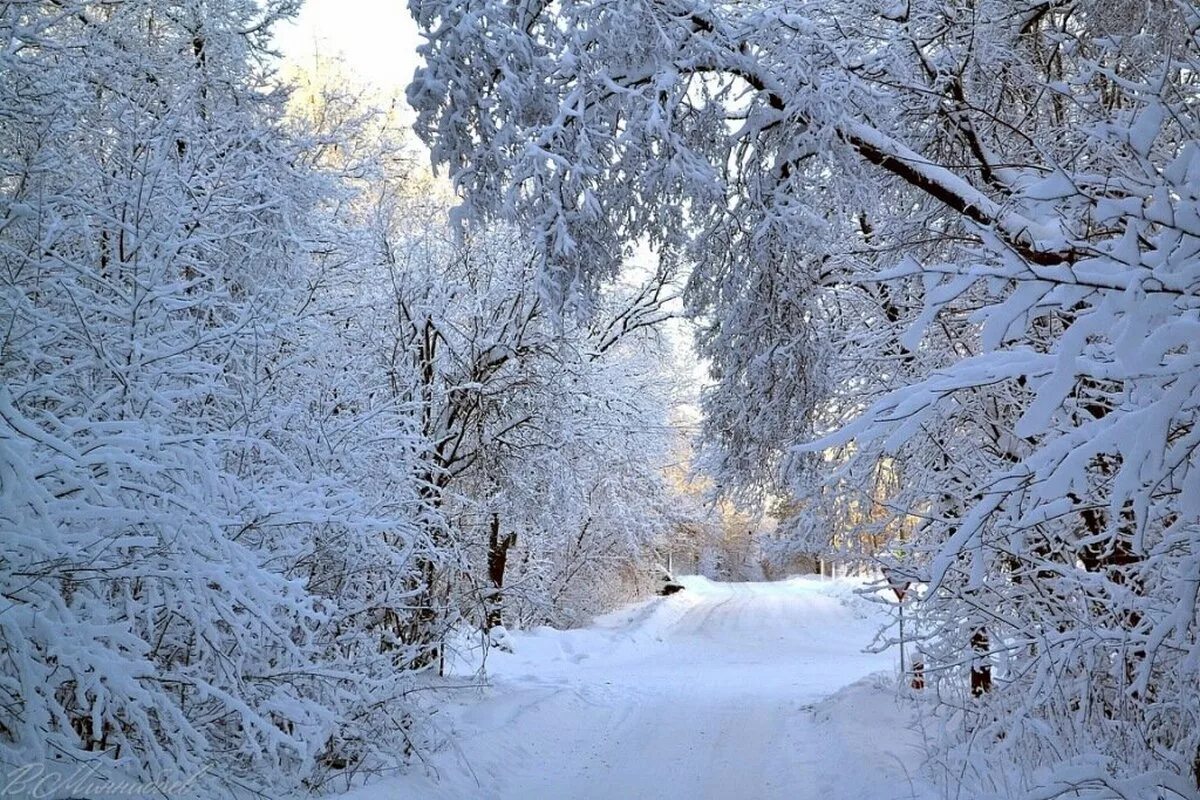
x=751, y=690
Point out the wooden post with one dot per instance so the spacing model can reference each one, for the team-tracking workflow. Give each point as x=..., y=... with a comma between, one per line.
x=899, y=588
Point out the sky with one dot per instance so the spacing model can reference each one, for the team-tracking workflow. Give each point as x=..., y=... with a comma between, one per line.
x=376, y=39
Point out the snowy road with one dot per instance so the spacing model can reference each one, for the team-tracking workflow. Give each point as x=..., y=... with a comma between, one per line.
x=721, y=691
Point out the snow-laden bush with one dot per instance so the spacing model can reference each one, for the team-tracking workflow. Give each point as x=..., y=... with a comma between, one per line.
x=197, y=575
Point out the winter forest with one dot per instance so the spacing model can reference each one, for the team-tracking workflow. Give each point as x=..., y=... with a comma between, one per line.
x=329, y=425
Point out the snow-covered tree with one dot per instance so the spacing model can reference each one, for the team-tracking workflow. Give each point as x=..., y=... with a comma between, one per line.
x=541, y=455
x=178, y=523
x=544, y=437
x=957, y=239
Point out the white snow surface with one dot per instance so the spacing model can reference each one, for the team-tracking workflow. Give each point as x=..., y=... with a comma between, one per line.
x=746, y=690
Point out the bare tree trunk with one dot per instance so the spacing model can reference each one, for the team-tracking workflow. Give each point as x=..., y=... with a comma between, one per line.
x=498, y=548
x=981, y=670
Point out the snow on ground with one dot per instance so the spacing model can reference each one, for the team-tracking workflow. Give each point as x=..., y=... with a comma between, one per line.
x=746, y=691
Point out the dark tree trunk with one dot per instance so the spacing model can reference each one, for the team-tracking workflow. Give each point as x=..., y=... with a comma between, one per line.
x=981, y=670
x=498, y=548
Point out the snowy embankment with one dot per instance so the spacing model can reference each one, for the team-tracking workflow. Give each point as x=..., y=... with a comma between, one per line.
x=755, y=690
